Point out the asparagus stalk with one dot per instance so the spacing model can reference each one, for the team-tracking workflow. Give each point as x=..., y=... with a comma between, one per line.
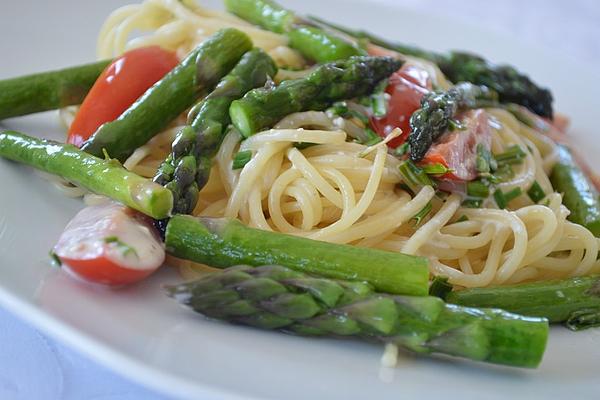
x=105, y=177
x=353, y=77
x=511, y=85
x=187, y=168
x=48, y=90
x=275, y=297
x=196, y=75
x=221, y=242
x=575, y=301
x=437, y=112
x=579, y=193
x=314, y=43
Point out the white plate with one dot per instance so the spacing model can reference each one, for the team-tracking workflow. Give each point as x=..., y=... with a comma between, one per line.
x=147, y=337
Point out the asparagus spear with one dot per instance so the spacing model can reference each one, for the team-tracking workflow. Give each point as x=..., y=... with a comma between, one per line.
x=105, y=177
x=511, y=85
x=314, y=43
x=48, y=90
x=437, y=112
x=275, y=297
x=222, y=242
x=575, y=301
x=169, y=97
x=353, y=77
x=187, y=168
x=579, y=193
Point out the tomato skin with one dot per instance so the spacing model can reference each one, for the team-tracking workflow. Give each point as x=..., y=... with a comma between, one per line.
x=406, y=88
x=118, y=87
x=103, y=270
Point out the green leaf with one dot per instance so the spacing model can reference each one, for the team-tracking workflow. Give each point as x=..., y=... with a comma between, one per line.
x=535, y=192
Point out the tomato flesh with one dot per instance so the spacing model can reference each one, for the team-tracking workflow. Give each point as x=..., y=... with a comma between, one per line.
x=110, y=244
x=406, y=88
x=118, y=87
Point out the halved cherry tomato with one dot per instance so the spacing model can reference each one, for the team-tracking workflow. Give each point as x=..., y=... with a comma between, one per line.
x=406, y=88
x=119, y=85
x=457, y=150
x=110, y=244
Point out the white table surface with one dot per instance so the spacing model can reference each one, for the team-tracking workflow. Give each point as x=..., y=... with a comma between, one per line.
x=33, y=366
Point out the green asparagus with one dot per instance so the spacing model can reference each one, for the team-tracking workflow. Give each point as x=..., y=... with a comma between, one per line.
x=222, y=242
x=579, y=193
x=105, y=177
x=192, y=78
x=353, y=77
x=275, y=297
x=187, y=168
x=437, y=111
x=48, y=90
x=511, y=85
x=575, y=301
x=317, y=44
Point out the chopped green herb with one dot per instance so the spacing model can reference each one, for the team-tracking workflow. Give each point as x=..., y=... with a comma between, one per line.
x=535, y=192
x=513, y=155
x=502, y=199
x=372, y=137
x=403, y=149
x=440, y=287
x=472, y=203
x=477, y=189
x=414, y=177
x=241, y=159
x=503, y=173
x=435, y=169
x=418, y=217
x=455, y=125
x=378, y=100
x=513, y=194
x=54, y=259
x=341, y=109
x=125, y=248
x=485, y=162
x=462, y=218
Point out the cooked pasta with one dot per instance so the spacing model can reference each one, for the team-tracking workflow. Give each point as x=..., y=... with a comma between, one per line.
x=341, y=191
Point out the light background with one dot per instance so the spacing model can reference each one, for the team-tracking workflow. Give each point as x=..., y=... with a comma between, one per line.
x=33, y=366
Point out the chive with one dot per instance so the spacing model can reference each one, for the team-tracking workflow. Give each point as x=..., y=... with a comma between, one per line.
x=414, y=177
x=513, y=194
x=54, y=259
x=440, y=287
x=462, y=218
x=418, y=217
x=472, y=203
x=502, y=199
x=484, y=162
x=401, y=150
x=535, y=192
x=241, y=159
x=435, y=169
x=378, y=101
x=455, y=125
x=372, y=137
x=513, y=155
x=125, y=248
x=503, y=173
x=477, y=189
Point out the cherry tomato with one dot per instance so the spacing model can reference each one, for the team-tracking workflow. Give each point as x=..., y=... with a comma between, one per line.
x=406, y=88
x=110, y=244
x=118, y=87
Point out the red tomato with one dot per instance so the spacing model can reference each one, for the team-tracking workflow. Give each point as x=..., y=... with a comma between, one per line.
x=119, y=85
x=406, y=89
x=110, y=244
